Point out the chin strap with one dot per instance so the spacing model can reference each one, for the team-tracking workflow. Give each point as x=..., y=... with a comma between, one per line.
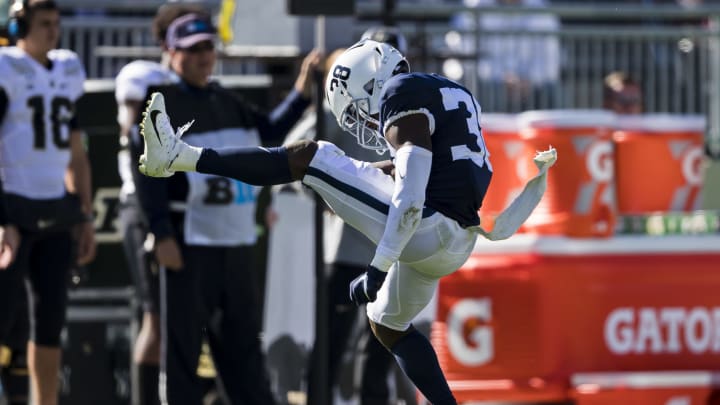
x=508, y=222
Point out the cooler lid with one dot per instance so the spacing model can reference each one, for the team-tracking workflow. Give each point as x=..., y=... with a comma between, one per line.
x=662, y=122
x=500, y=122
x=567, y=118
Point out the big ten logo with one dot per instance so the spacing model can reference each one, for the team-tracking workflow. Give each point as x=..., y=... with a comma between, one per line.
x=470, y=338
x=668, y=330
x=340, y=76
x=105, y=205
x=224, y=191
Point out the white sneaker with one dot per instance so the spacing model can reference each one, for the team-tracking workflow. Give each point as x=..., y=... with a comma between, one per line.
x=162, y=144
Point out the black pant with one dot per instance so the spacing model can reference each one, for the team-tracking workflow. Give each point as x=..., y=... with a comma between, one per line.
x=139, y=262
x=215, y=290
x=43, y=261
x=14, y=378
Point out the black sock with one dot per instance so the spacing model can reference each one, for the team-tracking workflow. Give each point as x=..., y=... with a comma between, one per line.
x=253, y=165
x=418, y=360
x=148, y=375
x=16, y=378
x=17, y=386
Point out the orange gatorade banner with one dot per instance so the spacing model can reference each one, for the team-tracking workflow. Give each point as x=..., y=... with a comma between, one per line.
x=488, y=332
x=536, y=310
x=646, y=388
x=580, y=198
x=659, y=163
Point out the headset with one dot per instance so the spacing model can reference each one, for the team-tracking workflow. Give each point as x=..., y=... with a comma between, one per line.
x=17, y=23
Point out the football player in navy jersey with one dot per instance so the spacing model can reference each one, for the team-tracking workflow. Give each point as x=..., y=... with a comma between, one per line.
x=347, y=253
x=423, y=216
x=42, y=160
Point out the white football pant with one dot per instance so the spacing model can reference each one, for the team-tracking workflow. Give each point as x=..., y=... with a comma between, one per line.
x=360, y=194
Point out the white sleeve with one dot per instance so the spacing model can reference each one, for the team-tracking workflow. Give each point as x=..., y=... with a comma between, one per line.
x=72, y=70
x=412, y=172
x=129, y=88
x=133, y=80
x=80, y=80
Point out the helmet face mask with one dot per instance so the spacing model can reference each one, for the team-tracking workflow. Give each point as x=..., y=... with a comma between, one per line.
x=353, y=89
x=356, y=120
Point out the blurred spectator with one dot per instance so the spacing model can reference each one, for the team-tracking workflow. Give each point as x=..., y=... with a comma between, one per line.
x=204, y=226
x=518, y=55
x=622, y=94
x=45, y=194
x=131, y=86
x=13, y=349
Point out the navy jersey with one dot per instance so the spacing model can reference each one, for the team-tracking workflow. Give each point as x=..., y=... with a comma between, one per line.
x=461, y=169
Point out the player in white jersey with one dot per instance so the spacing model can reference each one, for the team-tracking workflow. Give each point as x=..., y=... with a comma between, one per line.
x=45, y=176
x=131, y=86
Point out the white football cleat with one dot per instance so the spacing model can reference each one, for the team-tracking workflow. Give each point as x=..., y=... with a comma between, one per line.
x=162, y=145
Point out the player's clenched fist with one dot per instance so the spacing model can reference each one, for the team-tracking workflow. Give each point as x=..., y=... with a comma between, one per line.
x=365, y=287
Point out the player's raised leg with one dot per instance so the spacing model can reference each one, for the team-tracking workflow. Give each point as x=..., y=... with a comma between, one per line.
x=165, y=153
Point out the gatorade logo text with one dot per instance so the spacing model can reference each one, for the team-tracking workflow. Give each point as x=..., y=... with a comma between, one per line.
x=692, y=165
x=598, y=191
x=689, y=157
x=663, y=330
x=470, y=342
x=600, y=161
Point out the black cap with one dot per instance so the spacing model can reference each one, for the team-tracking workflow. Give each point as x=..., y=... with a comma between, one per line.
x=189, y=30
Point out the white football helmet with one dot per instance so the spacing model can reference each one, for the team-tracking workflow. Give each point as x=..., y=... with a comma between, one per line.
x=353, y=87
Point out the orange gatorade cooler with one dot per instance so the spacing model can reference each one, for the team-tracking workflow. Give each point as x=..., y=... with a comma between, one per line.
x=579, y=200
x=658, y=162
x=507, y=156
